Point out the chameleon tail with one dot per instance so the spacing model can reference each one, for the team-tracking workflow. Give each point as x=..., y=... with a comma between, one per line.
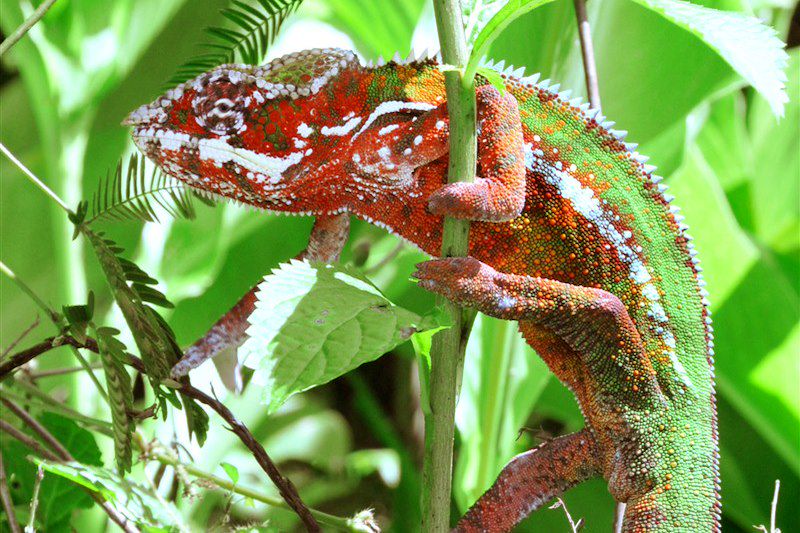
x=531, y=479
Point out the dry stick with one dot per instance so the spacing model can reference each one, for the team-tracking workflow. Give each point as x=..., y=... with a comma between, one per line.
x=286, y=488
x=61, y=455
x=5, y=496
x=447, y=353
x=20, y=32
x=28, y=441
x=39, y=429
x=587, y=49
x=57, y=320
x=24, y=356
x=33, y=376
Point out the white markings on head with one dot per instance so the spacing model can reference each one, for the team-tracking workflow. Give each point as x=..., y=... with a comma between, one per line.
x=417, y=140
x=388, y=129
x=344, y=129
x=219, y=151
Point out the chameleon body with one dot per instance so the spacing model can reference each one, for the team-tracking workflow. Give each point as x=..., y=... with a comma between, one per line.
x=573, y=237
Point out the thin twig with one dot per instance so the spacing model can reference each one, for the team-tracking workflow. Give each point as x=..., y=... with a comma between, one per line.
x=54, y=317
x=323, y=518
x=28, y=441
x=20, y=32
x=24, y=356
x=20, y=337
x=33, y=376
x=37, y=428
x=43, y=401
x=36, y=181
x=772, y=512
x=587, y=52
x=60, y=324
x=285, y=486
x=574, y=526
x=37, y=484
x=5, y=496
x=61, y=455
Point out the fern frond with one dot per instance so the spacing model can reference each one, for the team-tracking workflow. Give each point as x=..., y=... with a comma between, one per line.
x=254, y=25
x=131, y=193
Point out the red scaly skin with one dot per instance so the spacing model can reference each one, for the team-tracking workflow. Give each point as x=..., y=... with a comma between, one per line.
x=572, y=237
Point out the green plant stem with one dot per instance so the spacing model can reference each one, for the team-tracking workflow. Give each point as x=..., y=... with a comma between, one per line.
x=447, y=353
x=36, y=181
x=56, y=318
x=342, y=524
x=20, y=32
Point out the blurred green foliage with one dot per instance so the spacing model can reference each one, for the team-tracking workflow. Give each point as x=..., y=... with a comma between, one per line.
x=354, y=443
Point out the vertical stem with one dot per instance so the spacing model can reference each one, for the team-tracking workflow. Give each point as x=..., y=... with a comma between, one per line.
x=587, y=49
x=448, y=346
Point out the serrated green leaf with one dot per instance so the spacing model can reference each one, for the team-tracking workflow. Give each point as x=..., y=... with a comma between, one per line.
x=135, y=502
x=748, y=45
x=315, y=322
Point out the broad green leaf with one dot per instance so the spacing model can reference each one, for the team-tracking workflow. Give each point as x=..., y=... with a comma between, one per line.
x=499, y=22
x=57, y=497
x=755, y=311
x=137, y=503
x=503, y=378
x=751, y=47
x=315, y=322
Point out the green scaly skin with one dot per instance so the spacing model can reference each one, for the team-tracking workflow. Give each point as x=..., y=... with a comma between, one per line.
x=572, y=236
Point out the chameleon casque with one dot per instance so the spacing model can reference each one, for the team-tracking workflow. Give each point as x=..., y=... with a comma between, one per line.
x=573, y=237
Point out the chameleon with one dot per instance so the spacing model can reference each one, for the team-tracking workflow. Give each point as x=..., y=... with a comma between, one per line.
x=572, y=235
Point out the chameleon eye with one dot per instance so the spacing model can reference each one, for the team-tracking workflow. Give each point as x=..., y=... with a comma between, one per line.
x=223, y=107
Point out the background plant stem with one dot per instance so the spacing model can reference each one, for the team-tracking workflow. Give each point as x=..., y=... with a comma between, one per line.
x=447, y=353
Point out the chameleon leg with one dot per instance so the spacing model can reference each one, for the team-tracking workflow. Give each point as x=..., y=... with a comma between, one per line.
x=325, y=244
x=600, y=351
x=593, y=323
x=498, y=193
x=531, y=479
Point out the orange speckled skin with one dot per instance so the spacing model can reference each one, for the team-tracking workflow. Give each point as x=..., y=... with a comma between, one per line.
x=573, y=236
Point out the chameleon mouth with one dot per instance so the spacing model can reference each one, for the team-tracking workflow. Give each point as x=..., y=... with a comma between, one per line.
x=239, y=174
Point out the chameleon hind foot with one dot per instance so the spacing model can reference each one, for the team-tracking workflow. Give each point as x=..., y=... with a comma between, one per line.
x=530, y=480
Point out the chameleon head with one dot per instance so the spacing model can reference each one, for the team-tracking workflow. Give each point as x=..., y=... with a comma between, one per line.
x=224, y=132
